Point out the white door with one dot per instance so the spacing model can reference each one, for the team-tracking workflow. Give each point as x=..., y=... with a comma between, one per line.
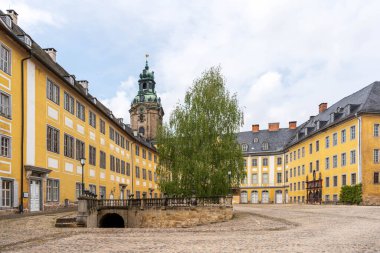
x=254, y=197
x=244, y=197
x=278, y=197
x=265, y=197
x=35, y=196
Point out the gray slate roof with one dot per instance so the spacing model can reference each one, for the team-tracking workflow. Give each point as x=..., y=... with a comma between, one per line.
x=366, y=100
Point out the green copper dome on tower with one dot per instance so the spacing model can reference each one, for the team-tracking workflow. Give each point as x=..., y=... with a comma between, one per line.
x=147, y=85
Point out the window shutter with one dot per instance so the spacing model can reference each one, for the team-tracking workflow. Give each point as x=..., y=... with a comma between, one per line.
x=15, y=194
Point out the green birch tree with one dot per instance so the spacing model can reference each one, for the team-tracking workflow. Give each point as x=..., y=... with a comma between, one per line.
x=198, y=148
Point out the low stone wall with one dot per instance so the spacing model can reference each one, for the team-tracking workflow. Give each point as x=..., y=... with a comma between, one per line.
x=178, y=216
x=371, y=200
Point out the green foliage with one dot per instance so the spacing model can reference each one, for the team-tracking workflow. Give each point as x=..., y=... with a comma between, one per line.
x=198, y=147
x=351, y=194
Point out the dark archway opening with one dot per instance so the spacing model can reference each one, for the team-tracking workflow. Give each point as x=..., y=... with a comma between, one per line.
x=111, y=220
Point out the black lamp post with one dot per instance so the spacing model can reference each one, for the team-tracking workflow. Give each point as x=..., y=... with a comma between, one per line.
x=82, y=162
x=229, y=181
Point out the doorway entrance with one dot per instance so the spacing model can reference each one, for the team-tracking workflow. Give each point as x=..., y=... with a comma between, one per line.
x=35, y=195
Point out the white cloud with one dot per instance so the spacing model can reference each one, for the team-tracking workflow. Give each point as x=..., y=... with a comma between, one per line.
x=282, y=58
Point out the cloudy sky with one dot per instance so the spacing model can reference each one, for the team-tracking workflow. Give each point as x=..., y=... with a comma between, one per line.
x=282, y=58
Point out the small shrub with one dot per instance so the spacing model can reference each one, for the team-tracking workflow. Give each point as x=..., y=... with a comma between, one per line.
x=351, y=194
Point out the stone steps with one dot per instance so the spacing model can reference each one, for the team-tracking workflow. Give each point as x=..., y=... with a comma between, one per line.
x=66, y=222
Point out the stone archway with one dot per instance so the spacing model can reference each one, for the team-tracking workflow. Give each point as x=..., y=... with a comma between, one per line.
x=111, y=220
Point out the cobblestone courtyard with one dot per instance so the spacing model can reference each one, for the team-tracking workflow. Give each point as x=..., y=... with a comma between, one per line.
x=258, y=228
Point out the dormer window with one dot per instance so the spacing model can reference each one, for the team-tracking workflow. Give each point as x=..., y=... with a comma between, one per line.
x=265, y=146
x=332, y=117
x=26, y=39
x=244, y=147
x=256, y=140
x=7, y=20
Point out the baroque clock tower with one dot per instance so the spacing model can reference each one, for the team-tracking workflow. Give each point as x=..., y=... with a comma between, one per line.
x=146, y=110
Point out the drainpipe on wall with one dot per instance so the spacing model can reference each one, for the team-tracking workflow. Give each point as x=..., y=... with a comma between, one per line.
x=21, y=205
x=359, y=148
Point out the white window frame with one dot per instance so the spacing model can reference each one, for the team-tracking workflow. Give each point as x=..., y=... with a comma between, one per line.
x=8, y=61
x=8, y=108
x=9, y=148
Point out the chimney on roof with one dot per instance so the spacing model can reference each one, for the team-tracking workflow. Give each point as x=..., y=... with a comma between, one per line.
x=292, y=124
x=52, y=53
x=255, y=128
x=322, y=107
x=13, y=14
x=84, y=85
x=273, y=126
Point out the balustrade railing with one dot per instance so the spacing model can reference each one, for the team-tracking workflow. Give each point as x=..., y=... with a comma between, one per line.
x=160, y=202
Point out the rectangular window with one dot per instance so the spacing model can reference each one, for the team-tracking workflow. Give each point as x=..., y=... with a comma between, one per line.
x=81, y=113
x=344, y=180
x=155, y=177
x=69, y=103
x=122, y=167
x=291, y=155
x=52, y=139
x=353, y=156
x=137, y=194
x=102, y=159
x=102, y=192
x=327, y=198
x=291, y=172
x=137, y=172
x=92, y=119
x=254, y=162
x=303, y=186
x=376, y=130
x=335, y=161
x=327, y=180
x=376, y=155
x=353, y=178
x=303, y=151
x=112, y=163
x=295, y=155
x=122, y=141
x=279, y=160
x=376, y=177
x=317, y=146
x=299, y=171
x=279, y=177
x=255, y=179
x=117, y=165
x=335, y=181
x=327, y=141
x=137, y=150
x=68, y=146
x=80, y=149
x=92, y=155
x=299, y=153
x=144, y=174
x=6, y=193
x=245, y=163
x=128, y=172
x=52, y=91
x=102, y=126
x=5, y=104
x=150, y=175
x=92, y=188
x=265, y=178
x=310, y=148
x=352, y=133
x=52, y=190
x=112, y=134
x=78, y=190
x=327, y=163
x=5, y=60
x=335, y=139
x=6, y=146
x=343, y=159
x=143, y=153
x=303, y=169
x=127, y=144
x=265, y=161
x=335, y=197
x=311, y=167
x=117, y=138
x=343, y=136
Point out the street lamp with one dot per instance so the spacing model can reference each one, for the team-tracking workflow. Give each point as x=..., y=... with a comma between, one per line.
x=229, y=181
x=82, y=162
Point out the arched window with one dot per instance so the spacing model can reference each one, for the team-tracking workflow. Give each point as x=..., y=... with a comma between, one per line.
x=255, y=140
x=265, y=146
x=244, y=147
x=142, y=130
x=145, y=86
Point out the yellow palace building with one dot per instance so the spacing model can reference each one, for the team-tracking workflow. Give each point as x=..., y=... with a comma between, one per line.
x=49, y=121
x=337, y=147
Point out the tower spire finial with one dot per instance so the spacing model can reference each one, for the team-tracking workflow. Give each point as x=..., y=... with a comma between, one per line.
x=146, y=61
